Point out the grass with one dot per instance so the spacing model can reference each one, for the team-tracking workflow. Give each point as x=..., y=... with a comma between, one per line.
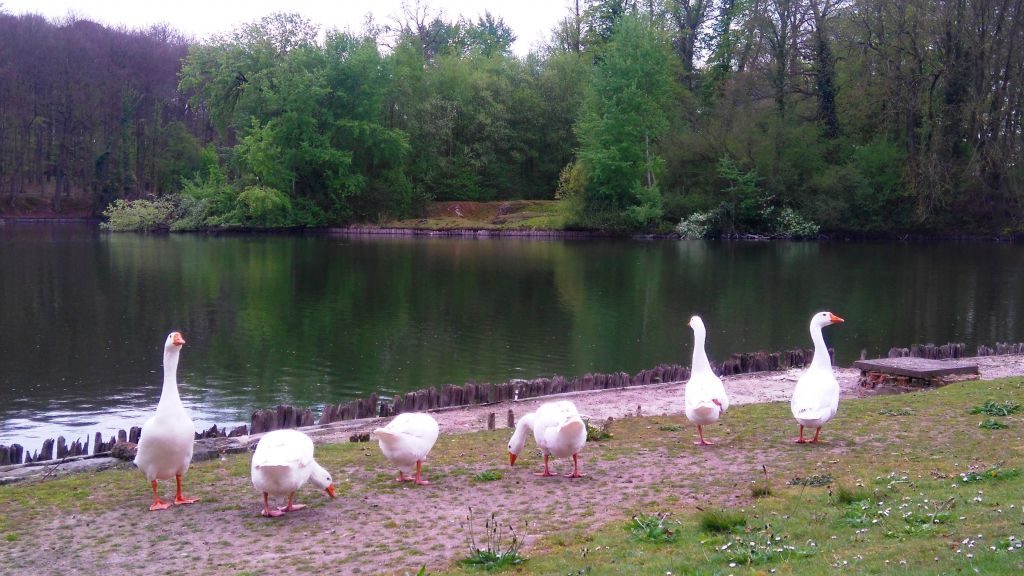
x=488, y=476
x=927, y=493
x=813, y=480
x=845, y=495
x=506, y=215
x=718, y=521
x=924, y=494
x=895, y=412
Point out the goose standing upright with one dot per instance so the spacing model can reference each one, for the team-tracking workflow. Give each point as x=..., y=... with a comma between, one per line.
x=558, y=430
x=816, y=395
x=282, y=463
x=705, y=399
x=406, y=441
x=165, y=446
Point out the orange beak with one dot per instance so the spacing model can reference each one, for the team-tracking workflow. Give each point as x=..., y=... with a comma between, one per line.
x=177, y=339
x=511, y=459
x=835, y=318
x=330, y=491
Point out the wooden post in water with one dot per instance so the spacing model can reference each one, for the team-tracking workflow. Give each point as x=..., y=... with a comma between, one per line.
x=511, y=418
x=490, y=421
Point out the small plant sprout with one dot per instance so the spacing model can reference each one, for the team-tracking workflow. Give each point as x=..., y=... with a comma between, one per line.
x=992, y=424
x=491, y=554
x=765, y=489
x=595, y=434
x=654, y=527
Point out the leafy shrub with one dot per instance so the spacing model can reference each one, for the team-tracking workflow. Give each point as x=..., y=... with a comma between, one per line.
x=572, y=181
x=192, y=214
x=264, y=207
x=790, y=224
x=698, y=225
x=648, y=208
x=139, y=215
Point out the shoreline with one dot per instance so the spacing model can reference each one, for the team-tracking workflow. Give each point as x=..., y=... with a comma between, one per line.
x=658, y=399
x=554, y=234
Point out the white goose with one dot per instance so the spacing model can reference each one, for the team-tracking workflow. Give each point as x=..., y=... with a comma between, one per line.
x=558, y=430
x=705, y=399
x=816, y=396
x=282, y=463
x=165, y=446
x=406, y=441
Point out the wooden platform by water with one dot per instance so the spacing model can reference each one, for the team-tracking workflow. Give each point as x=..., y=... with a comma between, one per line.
x=909, y=370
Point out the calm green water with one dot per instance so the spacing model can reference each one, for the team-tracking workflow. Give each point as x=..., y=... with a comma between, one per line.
x=314, y=319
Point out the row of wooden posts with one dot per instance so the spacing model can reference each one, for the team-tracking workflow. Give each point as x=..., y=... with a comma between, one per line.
x=451, y=395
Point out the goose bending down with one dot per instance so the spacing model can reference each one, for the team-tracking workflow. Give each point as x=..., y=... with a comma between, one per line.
x=406, y=441
x=705, y=399
x=816, y=396
x=165, y=446
x=282, y=463
x=558, y=430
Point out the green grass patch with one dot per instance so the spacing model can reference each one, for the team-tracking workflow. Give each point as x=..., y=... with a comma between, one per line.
x=488, y=476
x=718, y=521
x=846, y=495
x=813, y=480
x=597, y=434
x=993, y=408
x=895, y=412
x=994, y=473
x=670, y=428
x=992, y=424
x=656, y=528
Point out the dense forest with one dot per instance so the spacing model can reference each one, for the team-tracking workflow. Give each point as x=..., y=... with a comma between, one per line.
x=709, y=117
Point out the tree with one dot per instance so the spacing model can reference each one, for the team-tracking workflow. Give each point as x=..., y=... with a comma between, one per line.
x=489, y=36
x=623, y=115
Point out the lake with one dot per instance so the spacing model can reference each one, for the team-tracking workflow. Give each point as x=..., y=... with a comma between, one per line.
x=311, y=319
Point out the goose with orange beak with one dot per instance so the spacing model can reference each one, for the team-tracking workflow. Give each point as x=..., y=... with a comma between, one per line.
x=282, y=463
x=165, y=445
x=816, y=396
x=558, y=430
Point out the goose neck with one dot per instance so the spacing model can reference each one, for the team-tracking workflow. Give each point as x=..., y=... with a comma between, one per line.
x=821, y=360
x=701, y=364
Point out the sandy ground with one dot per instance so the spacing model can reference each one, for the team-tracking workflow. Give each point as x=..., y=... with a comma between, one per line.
x=380, y=527
x=654, y=399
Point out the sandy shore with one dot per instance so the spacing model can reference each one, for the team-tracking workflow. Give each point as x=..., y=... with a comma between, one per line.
x=649, y=400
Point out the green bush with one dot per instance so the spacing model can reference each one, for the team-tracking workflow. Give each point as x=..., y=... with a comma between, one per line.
x=698, y=225
x=139, y=215
x=264, y=207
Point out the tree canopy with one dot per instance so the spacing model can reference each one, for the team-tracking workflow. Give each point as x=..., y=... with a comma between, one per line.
x=728, y=116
